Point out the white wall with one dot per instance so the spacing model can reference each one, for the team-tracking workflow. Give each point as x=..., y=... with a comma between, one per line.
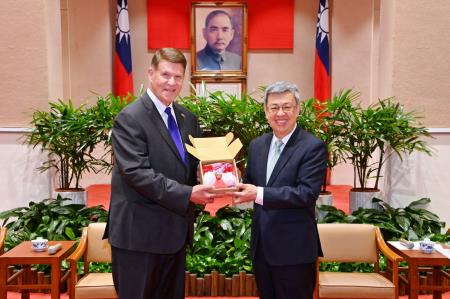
x=20, y=181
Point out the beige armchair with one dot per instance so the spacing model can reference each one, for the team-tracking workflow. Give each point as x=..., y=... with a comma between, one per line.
x=93, y=249
x=355, y=243
x=2, y=238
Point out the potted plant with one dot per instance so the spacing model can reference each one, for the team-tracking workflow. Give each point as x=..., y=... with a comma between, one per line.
x=220, y=113
x=69, y=135
x=323, y=119
x=372, y=135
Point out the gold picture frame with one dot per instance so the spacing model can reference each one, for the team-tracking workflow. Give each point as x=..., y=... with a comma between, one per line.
x=218, y=39
x=232, y=86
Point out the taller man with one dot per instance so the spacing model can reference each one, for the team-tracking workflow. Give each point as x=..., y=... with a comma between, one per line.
x=151, y=211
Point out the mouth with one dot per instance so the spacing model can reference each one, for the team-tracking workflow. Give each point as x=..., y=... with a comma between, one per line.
x=281, y=122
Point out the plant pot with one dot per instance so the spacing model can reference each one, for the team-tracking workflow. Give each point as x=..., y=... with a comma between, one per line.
x=76, y=196
x=325, y=198
x=362, y=198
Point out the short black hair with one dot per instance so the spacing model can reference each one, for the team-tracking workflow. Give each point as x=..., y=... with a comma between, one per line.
x=216, y=13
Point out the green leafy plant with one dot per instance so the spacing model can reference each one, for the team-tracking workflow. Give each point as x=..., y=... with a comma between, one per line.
x=384, y=127
x=221, y=243
x=324, y=120
x=70, y=134
x=49, y=219
x=102, y=116
x=220, y=113
x=412, y=222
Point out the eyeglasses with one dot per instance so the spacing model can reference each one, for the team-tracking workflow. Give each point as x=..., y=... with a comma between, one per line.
x=285, y=108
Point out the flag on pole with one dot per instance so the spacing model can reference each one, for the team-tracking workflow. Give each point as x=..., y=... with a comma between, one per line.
x=322, y=81
x=123, y=77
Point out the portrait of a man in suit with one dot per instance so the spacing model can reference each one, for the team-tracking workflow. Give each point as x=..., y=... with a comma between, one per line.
x=218, y=32
x=284, y=172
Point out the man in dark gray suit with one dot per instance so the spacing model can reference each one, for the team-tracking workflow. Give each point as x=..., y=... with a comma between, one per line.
x=151, y=211
x=283, y=176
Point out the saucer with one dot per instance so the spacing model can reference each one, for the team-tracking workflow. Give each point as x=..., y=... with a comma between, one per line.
x=39, y=249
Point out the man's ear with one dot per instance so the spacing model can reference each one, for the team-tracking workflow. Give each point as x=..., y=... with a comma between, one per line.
x=150, y=73
x=204, y=34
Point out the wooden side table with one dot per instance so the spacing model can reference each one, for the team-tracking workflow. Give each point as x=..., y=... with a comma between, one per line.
x=416, y=259
x=23, y=255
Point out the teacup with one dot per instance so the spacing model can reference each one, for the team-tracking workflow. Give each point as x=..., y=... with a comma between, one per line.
x=427, y=246
x=39, y=244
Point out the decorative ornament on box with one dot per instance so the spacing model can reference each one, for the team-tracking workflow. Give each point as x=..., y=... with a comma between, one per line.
x=217, y=163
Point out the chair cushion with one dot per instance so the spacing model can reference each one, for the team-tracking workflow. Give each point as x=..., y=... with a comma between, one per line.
x=98, y=250
x=95, y=285
x=354, y=285
x=343, y=242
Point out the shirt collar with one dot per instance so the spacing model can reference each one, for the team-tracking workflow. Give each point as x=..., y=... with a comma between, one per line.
x=158, y=104
x=285, y=139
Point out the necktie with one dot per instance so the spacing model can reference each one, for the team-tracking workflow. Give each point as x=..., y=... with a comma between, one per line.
x=174, y=132
x=273, y=161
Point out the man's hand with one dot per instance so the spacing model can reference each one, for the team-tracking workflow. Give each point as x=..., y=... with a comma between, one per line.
x=201, y=194
x=247, y=192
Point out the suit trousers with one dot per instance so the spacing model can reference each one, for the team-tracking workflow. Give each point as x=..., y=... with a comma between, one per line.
x=143, y=275
x=283, y=282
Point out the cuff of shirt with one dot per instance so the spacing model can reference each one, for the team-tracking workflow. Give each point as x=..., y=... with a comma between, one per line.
x=259, y=196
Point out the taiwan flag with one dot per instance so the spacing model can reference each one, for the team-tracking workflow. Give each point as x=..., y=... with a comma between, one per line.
x=123, y=76
x=322, y=81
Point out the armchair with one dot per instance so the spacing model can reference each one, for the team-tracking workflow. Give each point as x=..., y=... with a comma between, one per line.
x=93, y=249
x=2, y=239
x=355, y=243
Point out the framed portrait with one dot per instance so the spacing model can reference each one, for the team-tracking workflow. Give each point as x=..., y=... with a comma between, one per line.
x=218, y=39
x=221, y=174
x=232, y=86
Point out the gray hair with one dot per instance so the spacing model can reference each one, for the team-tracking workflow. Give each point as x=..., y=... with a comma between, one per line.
x=281, y=87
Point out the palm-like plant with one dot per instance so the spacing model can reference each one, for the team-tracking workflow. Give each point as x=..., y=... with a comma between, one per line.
x=324, y=120
x=375, y=133
x=220, y=113
x=70, y=134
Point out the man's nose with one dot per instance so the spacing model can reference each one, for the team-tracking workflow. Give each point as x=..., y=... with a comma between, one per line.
x=172, y=80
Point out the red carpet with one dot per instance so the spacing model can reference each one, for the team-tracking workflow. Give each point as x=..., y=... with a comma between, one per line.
x=99, y=195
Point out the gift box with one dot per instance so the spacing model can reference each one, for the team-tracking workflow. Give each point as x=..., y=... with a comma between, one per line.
x=217, y=163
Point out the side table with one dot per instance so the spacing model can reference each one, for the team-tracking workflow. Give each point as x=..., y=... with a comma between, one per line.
x=23, y=255
x=416, y=259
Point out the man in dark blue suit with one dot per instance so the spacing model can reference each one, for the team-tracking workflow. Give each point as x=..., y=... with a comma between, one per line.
x=151, y=216
x=283, y=176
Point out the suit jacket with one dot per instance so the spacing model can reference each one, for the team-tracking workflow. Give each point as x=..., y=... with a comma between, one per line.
x=207, y=60
x=151, y=185
x=285, y=225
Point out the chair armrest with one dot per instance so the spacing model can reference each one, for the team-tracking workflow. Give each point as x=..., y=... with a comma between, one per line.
x=2, y=238
x=384, y=248
x=390, y=255
x=81, y=248
x=73, y=259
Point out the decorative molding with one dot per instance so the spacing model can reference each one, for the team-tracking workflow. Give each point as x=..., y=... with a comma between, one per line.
x=14, y=130
x=439, y=130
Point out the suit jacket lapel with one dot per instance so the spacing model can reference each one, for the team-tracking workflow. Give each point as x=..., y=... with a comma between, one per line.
x=286, y=154
x=160, y=125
